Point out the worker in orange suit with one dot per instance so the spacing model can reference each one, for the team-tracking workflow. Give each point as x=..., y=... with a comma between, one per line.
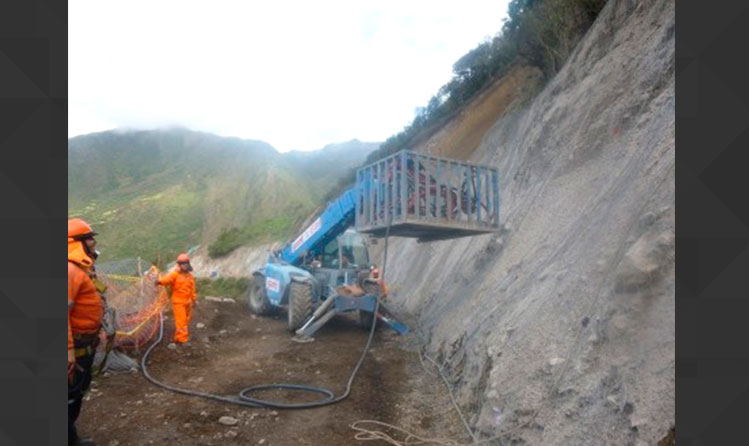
x=182, y=283
x=85, y=312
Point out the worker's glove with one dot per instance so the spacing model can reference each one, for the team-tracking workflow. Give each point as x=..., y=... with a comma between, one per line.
x=71, y=365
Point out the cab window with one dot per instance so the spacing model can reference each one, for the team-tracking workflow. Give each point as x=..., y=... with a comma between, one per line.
x=330, y=255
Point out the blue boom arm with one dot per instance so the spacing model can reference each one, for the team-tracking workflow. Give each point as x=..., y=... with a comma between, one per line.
x=338, y=216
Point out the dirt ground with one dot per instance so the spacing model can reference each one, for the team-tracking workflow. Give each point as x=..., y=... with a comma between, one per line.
x=236, y=350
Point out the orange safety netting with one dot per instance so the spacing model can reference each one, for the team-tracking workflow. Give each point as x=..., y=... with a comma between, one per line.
x=137, y=302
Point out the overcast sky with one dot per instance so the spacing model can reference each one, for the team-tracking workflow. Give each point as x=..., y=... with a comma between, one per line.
x=296, y=74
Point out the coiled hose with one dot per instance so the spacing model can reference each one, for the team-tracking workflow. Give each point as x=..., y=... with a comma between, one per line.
x=243, y=398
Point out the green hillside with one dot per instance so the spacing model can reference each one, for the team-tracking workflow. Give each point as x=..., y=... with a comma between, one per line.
x=155, y=193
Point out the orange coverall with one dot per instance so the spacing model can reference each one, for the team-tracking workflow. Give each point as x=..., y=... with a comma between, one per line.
x=183, y=298
x=85, y=310
x=85, y=307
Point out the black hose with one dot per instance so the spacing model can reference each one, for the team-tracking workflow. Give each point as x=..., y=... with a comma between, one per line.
x=243, y=400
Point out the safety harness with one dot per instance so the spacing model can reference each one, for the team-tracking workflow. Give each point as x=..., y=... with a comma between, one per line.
x=86, y=343
x=108, y=321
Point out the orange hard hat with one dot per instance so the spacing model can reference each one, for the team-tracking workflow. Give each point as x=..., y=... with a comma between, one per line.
x=79, y=229
x=183, y=258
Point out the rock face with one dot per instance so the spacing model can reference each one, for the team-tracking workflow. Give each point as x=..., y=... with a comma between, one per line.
x=562, y=325
x=239, y=263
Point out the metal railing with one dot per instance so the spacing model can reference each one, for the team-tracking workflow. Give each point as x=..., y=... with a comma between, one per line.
x=427, y=191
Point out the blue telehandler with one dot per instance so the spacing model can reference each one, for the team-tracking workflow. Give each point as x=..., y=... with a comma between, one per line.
x=324, y=271
x=327, y=269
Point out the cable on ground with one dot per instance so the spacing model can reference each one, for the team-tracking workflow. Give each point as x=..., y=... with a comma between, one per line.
x=243, y=398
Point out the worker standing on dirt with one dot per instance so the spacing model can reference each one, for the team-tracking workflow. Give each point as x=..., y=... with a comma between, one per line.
x=85, y=311
x=182, y=283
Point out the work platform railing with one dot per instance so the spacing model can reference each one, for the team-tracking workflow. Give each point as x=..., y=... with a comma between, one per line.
x=427, y=197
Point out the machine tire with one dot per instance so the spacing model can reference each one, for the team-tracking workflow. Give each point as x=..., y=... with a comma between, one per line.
x=366, y=319
x=300, y=304
x=257, y=298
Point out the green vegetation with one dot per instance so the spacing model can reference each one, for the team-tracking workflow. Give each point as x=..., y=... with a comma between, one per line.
x=153, y=194
x=224, y=287
x=344, y=182
x=155, y=227
x=260, y=232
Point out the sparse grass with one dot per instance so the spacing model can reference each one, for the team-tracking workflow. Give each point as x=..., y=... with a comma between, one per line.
x=224, y=287
x=156, y=230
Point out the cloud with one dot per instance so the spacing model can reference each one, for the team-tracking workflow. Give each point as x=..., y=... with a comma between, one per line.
x=298, y=74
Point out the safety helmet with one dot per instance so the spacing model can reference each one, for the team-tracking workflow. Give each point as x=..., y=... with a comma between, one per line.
x=183, y=258
x=79, y=229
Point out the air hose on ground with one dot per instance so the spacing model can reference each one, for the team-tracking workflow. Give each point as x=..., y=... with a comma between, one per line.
x=243, y=398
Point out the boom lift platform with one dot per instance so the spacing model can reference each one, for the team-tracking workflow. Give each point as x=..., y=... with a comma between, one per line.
x=427, y=197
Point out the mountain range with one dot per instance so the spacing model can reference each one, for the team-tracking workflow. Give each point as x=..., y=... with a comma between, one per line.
x=153, y=193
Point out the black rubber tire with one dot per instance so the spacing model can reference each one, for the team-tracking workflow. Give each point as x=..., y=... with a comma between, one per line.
x=257, y=298
x=366, y=319
x=300, y=304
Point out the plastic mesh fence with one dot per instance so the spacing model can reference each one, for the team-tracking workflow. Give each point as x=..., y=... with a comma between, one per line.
x=137, y=302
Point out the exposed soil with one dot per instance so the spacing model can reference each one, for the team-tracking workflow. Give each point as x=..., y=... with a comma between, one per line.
x=236, y=350
x=669, y=439
x=460, y=137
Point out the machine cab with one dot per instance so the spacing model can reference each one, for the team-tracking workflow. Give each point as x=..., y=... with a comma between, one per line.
x=347, y=251
x=342, y=259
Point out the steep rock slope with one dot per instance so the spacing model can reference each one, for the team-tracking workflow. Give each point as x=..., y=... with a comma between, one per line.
x=560, y=329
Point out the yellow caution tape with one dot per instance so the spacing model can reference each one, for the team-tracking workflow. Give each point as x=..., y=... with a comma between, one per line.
x=136, y=329
x=121, y=277
x=159, y=304
x=151, y=270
